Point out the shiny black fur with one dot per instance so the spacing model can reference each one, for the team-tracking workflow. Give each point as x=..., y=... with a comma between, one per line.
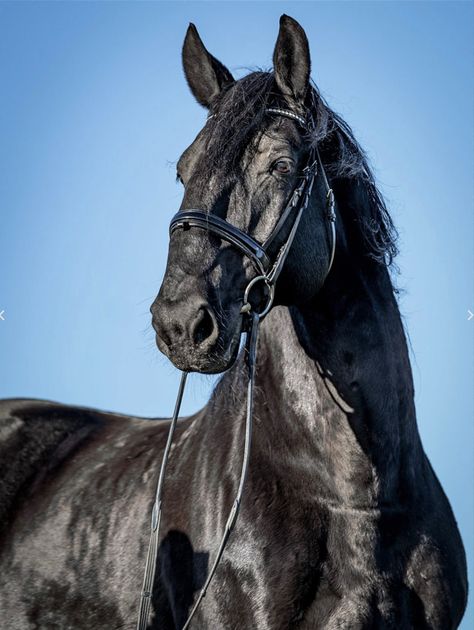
x=344, y=524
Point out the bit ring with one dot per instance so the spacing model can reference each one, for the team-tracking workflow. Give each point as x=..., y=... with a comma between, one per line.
x=247, y=307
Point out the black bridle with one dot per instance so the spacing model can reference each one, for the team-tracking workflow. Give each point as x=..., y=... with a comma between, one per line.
x=268, y=270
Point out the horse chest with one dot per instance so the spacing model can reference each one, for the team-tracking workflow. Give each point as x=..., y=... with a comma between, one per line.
x=267, y=582
x=292, y=570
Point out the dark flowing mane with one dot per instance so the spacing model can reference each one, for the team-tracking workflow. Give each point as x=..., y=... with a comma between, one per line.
x=239, y=113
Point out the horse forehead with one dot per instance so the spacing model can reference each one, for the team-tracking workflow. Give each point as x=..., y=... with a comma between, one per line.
x=282, y=130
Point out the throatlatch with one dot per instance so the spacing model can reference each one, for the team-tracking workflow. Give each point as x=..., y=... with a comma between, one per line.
x=268, y=272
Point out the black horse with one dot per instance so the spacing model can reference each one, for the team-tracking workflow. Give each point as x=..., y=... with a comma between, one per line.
x=343, y=523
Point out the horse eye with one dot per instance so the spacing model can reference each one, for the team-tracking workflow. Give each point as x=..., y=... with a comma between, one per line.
x=282, y=166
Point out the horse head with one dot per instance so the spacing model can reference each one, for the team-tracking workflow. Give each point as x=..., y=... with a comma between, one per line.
x=243, y=167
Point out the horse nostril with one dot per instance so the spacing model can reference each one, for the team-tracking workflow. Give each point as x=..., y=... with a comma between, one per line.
x=204, y=326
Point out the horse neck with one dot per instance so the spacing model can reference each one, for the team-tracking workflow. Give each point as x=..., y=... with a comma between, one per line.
x=335, y=392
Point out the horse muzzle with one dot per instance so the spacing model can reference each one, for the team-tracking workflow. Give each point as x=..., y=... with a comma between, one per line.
x=189, y=334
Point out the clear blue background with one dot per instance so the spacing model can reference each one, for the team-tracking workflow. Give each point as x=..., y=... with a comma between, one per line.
x=94, y=111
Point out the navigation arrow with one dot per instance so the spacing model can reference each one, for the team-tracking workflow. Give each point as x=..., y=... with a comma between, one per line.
x=1, y=316
x=470, y=315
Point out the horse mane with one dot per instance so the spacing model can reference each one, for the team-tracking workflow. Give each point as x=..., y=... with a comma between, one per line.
x=239, y=113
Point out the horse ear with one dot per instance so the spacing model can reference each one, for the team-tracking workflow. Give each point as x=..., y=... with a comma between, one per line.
x=206, y=76
x=291, y=60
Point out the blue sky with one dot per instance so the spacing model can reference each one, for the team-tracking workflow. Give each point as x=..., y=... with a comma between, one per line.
x=94, y=111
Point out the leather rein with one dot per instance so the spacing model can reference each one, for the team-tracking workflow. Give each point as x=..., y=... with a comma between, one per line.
x=268, y=270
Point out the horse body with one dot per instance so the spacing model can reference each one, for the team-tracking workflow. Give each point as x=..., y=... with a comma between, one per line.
x=343, y=523
x=335, y=531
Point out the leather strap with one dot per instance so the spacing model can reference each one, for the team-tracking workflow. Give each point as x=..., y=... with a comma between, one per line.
x=215, y=225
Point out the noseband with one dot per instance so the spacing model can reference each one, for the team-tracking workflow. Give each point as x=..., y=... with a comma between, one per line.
x=268, y=270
